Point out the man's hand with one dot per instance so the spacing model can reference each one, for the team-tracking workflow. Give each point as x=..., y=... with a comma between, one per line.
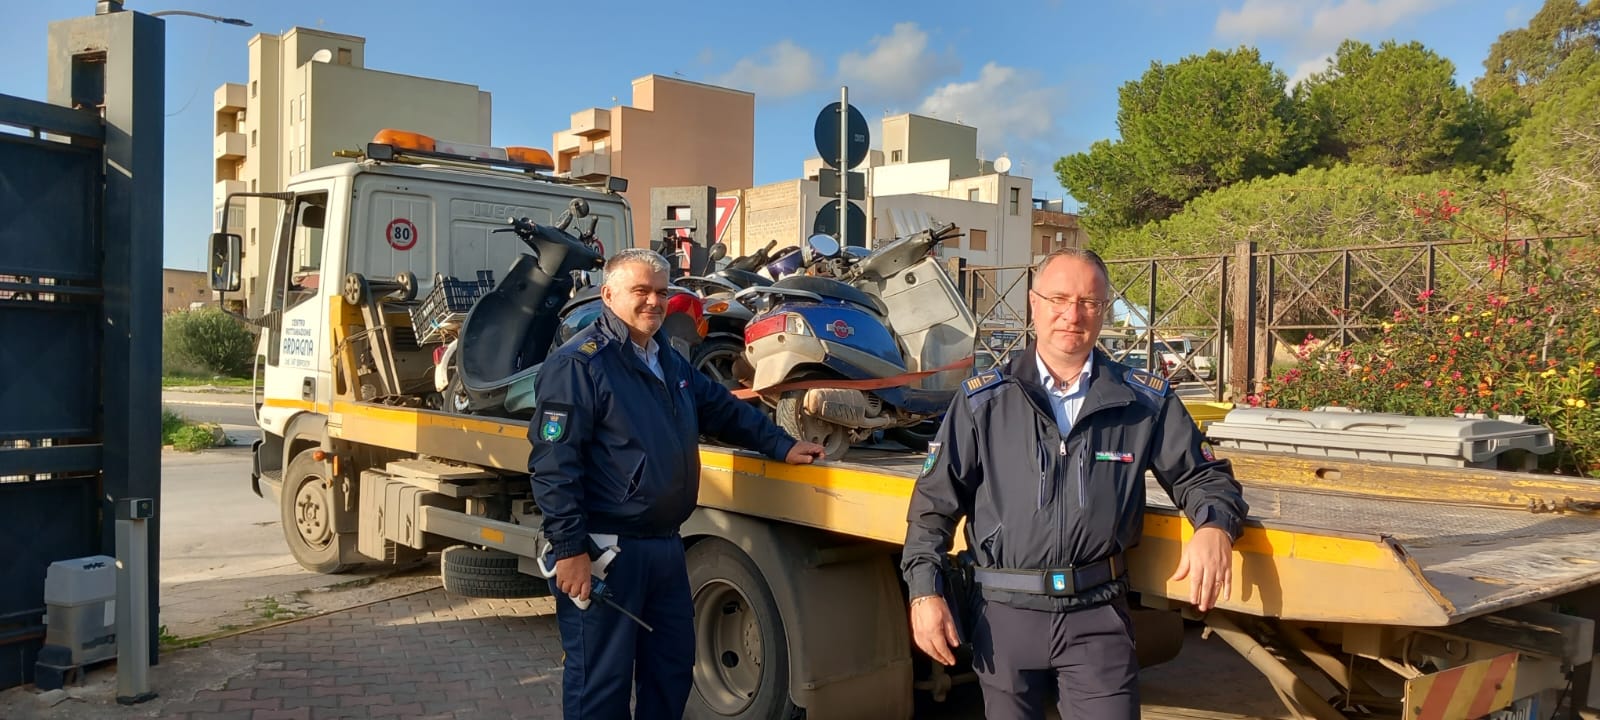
x=803, y=453
x=933, y=628
x=1208, y=563
x=572, y=576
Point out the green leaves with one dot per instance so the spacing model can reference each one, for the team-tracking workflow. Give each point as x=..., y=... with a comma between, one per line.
x=1188, y=128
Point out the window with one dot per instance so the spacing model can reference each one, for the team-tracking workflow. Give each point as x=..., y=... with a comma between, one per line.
x=953, y=242
x=302, y=269
x=978, y=240
x=252, y=184
x=302, y=106
x=252, y=88
x=252, y=138
x=972, y=194
x=1016, y=200
x=303, y=157
x=896, y=155
x=292, y=107
x=172, y=290
x=252, y=237
x=344, y=56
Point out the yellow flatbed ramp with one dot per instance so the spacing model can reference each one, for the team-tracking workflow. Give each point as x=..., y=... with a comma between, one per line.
x=1305, y=555
x=1368, y=554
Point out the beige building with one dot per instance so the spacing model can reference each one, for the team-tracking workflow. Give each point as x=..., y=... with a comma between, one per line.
x=1054, y=229
x=184, y=289
x=675, y=133
x=309, y=95
x=928, y=173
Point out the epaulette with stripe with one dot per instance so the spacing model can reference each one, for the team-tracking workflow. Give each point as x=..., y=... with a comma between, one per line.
x=592, y=345
x=981, y=382
x=1147, y=383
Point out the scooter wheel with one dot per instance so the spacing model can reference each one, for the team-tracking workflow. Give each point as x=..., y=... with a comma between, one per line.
x=355, y=289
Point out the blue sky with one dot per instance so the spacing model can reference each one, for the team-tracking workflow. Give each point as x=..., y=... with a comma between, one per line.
x=1038, y=79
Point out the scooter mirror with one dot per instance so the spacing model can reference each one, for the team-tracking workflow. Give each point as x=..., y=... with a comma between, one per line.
x=823, y=245
x=718, y=251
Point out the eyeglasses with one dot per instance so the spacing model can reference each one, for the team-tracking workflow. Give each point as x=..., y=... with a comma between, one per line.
x=1059, y=303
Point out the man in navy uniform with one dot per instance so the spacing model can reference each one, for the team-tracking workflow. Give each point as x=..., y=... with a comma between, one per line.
x=1046, y=457
x=615, y=454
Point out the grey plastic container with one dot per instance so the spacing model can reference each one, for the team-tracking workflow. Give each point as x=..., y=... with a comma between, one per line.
x=88, y=630
x=80, y=580
x=1383, y=437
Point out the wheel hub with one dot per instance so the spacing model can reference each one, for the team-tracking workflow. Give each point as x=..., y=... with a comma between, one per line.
x=728, y=648
x=311, y=513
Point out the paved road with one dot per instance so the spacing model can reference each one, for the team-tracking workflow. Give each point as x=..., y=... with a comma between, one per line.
x=213, y=407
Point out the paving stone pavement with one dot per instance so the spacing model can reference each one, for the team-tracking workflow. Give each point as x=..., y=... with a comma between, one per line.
x=426, y=655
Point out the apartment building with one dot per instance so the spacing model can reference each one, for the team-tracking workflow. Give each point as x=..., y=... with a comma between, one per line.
x=674, y=133
x=308, y=95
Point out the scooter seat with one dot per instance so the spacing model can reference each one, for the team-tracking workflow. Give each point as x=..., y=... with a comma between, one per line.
x=744, y=278
x=830, y=288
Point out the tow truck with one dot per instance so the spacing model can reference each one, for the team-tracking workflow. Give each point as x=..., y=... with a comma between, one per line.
x=1361, y=589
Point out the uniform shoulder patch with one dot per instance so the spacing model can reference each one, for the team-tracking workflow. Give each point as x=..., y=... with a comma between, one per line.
x=932, y=459
x=1147, y=383
x=555, y=425
x=982, y=381
x=591, y=346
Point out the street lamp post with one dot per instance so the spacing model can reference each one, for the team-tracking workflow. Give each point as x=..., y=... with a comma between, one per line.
x=104, y=7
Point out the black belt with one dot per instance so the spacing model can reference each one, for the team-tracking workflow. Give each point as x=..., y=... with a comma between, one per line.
x=1055, y=583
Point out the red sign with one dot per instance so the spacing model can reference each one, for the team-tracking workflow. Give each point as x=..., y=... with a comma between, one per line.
x=725, y=208
x=838, y=327
x=401, y=234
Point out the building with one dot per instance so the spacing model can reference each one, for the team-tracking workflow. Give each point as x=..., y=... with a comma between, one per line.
x=675, y=133
x=184, y=290
x=928, y=173
x=1053, y=228
x=309, y=94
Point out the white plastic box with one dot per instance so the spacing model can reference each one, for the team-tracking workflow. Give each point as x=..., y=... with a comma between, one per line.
x=80, y=598
x=1384, y=437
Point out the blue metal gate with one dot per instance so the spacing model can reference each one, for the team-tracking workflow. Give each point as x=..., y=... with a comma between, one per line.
x=80, y=333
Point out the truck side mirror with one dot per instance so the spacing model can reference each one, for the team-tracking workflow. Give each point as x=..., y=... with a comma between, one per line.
x=227, y=255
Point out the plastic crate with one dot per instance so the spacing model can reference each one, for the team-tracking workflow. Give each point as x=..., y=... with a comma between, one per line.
x=1384, y=437
x=447, y=305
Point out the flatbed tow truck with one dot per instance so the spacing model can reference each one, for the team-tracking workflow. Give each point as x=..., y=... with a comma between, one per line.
x=1360, y=589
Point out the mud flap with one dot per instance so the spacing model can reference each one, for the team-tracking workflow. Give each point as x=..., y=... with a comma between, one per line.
x=1468, y=691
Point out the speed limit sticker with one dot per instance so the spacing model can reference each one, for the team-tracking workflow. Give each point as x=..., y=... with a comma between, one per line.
x=401, y=233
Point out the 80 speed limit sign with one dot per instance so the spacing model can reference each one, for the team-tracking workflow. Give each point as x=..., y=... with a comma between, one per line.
x=402, y=235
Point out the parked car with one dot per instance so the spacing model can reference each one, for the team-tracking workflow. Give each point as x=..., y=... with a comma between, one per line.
x=1175, y=351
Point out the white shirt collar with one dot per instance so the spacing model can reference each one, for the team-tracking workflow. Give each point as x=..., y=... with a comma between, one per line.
x=1049, y=380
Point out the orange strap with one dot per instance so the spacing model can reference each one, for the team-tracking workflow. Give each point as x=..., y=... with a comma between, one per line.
x=873, y=384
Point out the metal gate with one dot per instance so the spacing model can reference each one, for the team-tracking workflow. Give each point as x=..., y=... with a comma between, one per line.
x=80, y=334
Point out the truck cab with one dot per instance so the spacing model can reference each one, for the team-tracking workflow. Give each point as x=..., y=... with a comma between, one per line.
x=409, y=210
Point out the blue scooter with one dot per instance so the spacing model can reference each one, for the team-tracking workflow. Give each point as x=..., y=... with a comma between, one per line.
x=846, y=345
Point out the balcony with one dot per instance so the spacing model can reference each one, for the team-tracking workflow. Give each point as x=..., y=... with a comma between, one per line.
x=224, y=188
x=592, y=123
x=230, y=97
x=591, y=165
x=567, y=142
x=230, y=146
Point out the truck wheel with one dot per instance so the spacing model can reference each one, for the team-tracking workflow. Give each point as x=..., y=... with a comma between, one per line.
x=307, y=503
x=741, y=664
x=473, y=572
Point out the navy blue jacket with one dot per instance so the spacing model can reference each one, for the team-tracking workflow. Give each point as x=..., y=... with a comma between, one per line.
x=1036, y=500
x=615, y=450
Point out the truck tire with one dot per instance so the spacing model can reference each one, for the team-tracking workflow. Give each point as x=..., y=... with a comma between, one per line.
x=477, y=573
x=741, y=667
x=307, y=513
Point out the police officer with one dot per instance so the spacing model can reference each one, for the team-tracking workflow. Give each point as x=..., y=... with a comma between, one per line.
x=616, y=453
x=1046, y=457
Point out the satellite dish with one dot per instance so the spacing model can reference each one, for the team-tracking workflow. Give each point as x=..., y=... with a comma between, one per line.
x=1002, y=165
x=322, y=56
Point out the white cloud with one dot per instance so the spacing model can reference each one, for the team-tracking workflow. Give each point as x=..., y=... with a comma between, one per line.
x=1305, y=69
x=1004, y=104
x=1312, y=29
x=1262, y=18
x=783, y=70
x=1331, y=24
x=899, y=68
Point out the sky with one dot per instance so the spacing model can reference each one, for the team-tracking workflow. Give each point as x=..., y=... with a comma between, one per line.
x=1038, y=79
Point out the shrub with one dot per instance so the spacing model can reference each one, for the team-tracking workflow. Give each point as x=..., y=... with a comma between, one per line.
x=1526, y=344
x=206, y=340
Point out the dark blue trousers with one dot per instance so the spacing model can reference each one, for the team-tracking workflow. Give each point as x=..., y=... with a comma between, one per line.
x=609, y=655
x=1085, y=656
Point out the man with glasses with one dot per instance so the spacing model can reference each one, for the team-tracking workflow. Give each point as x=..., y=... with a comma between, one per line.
x=1045, y=456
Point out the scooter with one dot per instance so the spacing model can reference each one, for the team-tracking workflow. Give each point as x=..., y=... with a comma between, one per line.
x=510, y=330
x=726, y=317
x=835, y=315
